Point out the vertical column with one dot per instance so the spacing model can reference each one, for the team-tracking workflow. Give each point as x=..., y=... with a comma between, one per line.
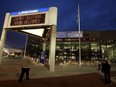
x=3, y=35
x=53, y=16
x=79, y=36
x=26, y=42
x=44, y=50
x=52, y=50
x=44, y=45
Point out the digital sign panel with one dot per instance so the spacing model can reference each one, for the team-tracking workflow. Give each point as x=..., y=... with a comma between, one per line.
x=69, y=34
x=29, y=11
x=28, y=19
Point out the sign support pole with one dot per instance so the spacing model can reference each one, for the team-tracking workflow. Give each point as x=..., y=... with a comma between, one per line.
x=3, y=36
x=52, y=48
x=25, y=45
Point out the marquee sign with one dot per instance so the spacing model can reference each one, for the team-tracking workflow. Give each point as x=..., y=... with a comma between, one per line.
x=37, y=17
x=31, y=21
x=29, y=11
x=28, y=19
x=69, y=34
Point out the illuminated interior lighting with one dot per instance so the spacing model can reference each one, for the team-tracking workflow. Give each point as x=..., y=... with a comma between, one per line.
x=38, y=32
x=48, y=28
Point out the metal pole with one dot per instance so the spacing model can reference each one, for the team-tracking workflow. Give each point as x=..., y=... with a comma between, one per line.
x=25, y=45
x=79, y=36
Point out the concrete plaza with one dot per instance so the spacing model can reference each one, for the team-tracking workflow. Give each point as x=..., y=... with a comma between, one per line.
x=64, y=75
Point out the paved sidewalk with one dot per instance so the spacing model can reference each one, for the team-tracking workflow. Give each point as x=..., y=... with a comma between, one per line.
x=81, y=80
x=11, y=72
x=64, y=75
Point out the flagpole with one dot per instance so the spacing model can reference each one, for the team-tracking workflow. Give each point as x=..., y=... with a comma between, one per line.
x=79, y=36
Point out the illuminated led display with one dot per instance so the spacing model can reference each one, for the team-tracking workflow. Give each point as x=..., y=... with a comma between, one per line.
x=28, y=19
x=69, y=34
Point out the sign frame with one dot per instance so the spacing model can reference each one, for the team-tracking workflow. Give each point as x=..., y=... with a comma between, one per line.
x=29, y=25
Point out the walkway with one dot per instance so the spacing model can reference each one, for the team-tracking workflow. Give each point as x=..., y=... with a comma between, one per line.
x=64, y=76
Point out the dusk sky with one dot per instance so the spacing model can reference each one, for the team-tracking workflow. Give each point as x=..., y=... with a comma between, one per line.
x=94, y=15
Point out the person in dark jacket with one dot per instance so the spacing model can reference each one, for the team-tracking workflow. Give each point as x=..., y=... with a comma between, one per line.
x=106, y=67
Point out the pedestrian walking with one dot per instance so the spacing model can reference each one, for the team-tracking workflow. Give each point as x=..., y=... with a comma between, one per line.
x=99, y=65
x=106, y=67
x=25, y=67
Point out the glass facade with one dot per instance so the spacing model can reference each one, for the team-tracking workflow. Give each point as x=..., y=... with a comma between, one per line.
x=34, y=46
x=94, y=47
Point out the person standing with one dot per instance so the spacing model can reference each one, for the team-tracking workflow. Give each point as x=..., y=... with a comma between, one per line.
x=99, y=65
x=106, y=67
x=25, y=67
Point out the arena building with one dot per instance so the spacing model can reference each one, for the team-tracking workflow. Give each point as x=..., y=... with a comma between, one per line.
x=95, y=45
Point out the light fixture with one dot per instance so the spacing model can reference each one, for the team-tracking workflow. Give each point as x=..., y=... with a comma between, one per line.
x=38, y=32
